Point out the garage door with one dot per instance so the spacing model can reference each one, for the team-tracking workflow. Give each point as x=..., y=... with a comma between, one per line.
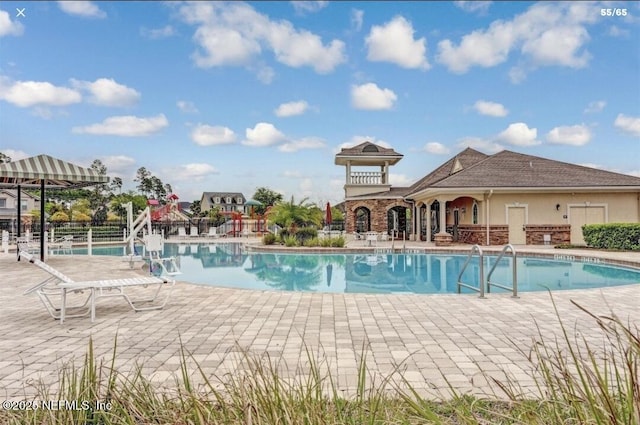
x=581, y=215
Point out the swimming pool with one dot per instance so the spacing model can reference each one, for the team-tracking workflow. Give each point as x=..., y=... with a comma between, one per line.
x=229, y=265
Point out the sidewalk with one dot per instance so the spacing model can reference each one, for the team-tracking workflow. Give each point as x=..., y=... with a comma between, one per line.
x=459, y=336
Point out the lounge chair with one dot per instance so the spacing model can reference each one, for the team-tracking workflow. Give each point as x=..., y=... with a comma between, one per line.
x=193, y=232
x=182, y=232
x=63, y=245
x=213, y=233
x=58, y=284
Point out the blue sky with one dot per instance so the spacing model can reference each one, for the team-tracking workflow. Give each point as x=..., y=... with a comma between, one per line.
x=214, y=96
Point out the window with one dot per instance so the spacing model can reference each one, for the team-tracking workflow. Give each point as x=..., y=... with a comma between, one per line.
x=228, y=199
x=24, y=206
x=217, y=199
x=474, y=213
x=3, y=202
x=240, y=200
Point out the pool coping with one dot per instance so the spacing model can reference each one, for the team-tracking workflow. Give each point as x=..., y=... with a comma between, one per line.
x=595, y=257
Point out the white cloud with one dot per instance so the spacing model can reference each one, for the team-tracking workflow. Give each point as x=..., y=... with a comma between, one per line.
x=473, y=6
x=309, y=6
x=234, y=33
x=158, y=33
x=86, y=9
x=106, y=92
x=519, y=134
x=207, y=135
x=290, y=109
x=9, y=27
x=118, y=163
x=25, y=94
x=263, y=134
x=394, y=42
x=371, y=97
x=615, y=31
x=575, y=135
x=545, y=34
x=595, y=106
x=480, y=144
x=559, y=46
x=490, y=108
x=265, y=74
x=192, y=172
x=436, y=148
x=15, y=155
x=186, y=106
x=627, y=124
x=357, y=16
x=400, y=180
x=304, y=143
x=125, y=126
x=291, y=174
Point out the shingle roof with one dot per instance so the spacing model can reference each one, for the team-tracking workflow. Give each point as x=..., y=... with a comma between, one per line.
x=511, y=169
x=223, y=196
x=368, y=149
x=466, y=159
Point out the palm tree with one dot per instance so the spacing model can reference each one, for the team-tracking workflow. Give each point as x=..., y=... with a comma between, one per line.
x=290, y=215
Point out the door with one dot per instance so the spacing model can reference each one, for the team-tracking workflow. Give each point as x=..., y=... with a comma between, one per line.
x=581, y=215
x=517, y=219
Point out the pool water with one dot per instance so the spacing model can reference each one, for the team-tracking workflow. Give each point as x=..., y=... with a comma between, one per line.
x=228, y=265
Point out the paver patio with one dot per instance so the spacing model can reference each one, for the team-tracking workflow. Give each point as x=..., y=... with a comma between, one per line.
x=462, y=337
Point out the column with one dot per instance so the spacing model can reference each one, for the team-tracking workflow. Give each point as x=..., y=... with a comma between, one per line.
x=348, y=168
x=428, y=212
x=417, y=223
x=443, y=216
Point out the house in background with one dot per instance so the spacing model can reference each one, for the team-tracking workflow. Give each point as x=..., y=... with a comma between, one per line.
x=228, y=202
x=9, y=208
x=495, y=199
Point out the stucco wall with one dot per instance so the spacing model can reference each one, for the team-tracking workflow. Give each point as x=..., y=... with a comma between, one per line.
x=541, y=208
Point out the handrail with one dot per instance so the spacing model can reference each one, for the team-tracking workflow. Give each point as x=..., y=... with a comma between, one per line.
x=475, y=249
x=514, y=287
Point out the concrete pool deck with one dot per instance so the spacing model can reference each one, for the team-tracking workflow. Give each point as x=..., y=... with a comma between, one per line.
x=460, y=337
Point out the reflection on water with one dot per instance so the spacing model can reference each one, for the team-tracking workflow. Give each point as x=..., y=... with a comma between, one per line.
x=227, y=264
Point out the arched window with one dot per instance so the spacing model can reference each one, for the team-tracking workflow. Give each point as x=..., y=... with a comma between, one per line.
x=370, y=148
x=474, y=213
x=363, y=219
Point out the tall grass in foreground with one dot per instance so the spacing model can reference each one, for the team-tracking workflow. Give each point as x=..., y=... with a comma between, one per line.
x=578, y=383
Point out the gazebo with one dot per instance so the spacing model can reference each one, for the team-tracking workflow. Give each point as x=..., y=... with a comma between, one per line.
x=44, y=170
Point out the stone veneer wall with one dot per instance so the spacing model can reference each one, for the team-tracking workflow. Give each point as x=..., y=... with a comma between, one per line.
x=560, y=233
x=477, y=234
x=378, y=209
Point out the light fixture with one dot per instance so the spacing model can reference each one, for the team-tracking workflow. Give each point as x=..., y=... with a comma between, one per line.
x=557, y=207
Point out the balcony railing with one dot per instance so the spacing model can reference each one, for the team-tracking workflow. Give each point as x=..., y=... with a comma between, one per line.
x=366, y=177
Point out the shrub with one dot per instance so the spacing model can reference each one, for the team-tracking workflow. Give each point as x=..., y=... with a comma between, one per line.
x=269, y=239
x=290, y=240
x=338, y=242
x=305, y=233
x=325, y=242
x=312, y=242
x=623, y=236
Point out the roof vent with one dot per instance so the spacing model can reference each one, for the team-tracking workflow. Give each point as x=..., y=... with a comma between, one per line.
x=370, y=148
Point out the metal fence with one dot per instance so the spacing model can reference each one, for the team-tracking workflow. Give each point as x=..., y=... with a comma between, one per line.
x=115, y=231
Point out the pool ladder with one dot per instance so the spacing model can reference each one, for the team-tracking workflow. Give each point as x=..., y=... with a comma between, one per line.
x=481, y=287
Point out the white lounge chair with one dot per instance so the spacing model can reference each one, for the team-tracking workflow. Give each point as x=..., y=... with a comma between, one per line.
x=193, y=232
x=58, y=284
x=63, y=245
x=213, y=232
x=182, y=232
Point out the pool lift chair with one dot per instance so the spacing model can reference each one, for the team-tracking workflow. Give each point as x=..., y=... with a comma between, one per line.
x=58, y=284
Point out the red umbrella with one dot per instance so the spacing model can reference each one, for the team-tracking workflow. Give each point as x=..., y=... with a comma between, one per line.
x=328, y=218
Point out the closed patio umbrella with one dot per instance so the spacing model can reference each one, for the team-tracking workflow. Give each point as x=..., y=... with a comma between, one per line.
x=328, y=218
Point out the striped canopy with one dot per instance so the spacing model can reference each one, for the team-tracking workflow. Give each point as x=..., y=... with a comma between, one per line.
x=31, y=172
